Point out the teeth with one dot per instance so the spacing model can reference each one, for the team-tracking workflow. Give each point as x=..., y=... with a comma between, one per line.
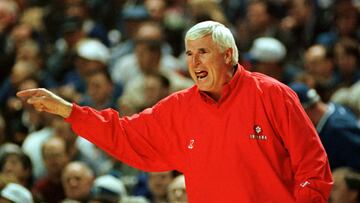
x=201, y=74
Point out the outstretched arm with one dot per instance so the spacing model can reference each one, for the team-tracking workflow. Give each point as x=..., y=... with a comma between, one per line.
x=141, y=140
x=44, y=100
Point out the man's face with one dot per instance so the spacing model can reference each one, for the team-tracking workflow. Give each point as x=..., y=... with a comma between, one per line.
x=99, y=88
x=54, y=156
x=177, y=190
x=158, y=183
x=257, y=16
x=148, y=57
x=77, y=182
x=209, y=68
x=154, y=89
x=13, y=167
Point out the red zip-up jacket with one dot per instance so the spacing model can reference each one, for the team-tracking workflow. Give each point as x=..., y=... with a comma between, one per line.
x=256, y=144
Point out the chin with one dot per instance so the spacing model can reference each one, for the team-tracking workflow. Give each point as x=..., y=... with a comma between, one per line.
x=204, y=89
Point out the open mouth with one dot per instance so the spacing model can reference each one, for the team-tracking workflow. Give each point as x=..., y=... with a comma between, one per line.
x=201, y=74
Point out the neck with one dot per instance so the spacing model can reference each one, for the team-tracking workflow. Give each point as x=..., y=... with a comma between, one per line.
x=318, y=112
x=217, y=95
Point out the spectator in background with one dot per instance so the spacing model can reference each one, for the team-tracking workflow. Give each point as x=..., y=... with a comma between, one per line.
x=153, y=185
x=147, y=58
x=177, y=190
x=20, y=72
x=107, y=189
x=25, y=74
x=144, y=92
x=346, y=24
x=28, y=46
x=77, y=180
x=15, y=193
x=202, y=10
x=234, y=9
x=90, y=55
x=319, y=64
x=81, y=9
x=33, y=16
x=156, y=10
x=346, y=186
x=18, y=165
x=172, y=22
x=9, y=14
x=9, y=147
x=348, y=96
x=133, y=17
x=338, y=127
x=55, y=157
x=302, y=24
x=101, y=92
x=32, y=147
x=158, y=183
x=22, y=76
x=62, y=55
x=260, y=21
x=78, y=149
x=267, y=55
x=347, y=60
x=30, y=51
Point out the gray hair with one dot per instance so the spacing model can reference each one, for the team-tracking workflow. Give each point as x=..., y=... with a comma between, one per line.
x=221, y=35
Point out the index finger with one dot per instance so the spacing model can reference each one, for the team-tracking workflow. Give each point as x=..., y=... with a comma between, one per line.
x=31, y=92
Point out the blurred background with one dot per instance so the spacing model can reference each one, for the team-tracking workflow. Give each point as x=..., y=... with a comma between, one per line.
x=129, y=54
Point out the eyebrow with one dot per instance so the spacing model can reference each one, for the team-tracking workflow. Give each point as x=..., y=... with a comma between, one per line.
x=202, y=49
x=199, y=49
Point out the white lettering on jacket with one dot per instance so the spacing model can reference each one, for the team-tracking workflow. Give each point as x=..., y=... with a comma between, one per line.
x=191, y=144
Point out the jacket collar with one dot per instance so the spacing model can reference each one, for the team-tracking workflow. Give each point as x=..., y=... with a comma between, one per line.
x=227, y=90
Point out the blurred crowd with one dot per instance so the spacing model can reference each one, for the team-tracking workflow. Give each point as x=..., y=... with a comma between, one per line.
x=129, y=54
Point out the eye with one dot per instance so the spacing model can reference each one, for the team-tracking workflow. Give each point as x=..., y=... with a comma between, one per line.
x=188, y=53
x=202, y=51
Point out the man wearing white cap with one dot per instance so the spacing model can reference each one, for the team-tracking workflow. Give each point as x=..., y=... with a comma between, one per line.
x=92, y=55
x=268, y=57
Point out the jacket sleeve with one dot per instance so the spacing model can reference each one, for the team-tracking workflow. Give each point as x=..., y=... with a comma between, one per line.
x=310, y=165
x=141, y=140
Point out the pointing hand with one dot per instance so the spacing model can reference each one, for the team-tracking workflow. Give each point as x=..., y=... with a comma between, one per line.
x=44, y=100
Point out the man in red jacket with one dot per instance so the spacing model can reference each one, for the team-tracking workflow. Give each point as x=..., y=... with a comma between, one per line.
x=237, y=136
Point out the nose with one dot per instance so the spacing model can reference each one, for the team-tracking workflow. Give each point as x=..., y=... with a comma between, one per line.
x=72, y=182
x=195, y=59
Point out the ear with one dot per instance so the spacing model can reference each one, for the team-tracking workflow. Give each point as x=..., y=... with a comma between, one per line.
x=228, y=55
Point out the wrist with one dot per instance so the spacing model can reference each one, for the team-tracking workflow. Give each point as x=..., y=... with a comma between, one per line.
x=67, y=110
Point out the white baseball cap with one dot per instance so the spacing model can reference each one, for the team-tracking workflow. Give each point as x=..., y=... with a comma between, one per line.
x=93, y=49
x=108, y=185
x=16, y=193
x=267, y=49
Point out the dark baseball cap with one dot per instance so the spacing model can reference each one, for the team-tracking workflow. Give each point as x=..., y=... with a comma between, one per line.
x=307, y=95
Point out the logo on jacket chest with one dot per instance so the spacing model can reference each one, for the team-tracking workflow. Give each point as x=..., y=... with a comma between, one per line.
x=258, y=133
